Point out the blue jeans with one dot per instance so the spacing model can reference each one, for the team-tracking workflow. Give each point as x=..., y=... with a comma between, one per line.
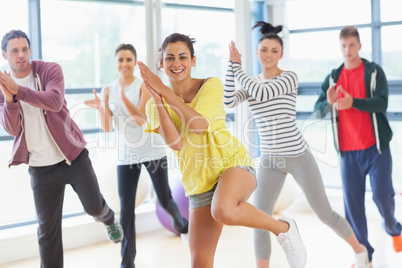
x=355, y=165
x=48, y=184
x=127, y=177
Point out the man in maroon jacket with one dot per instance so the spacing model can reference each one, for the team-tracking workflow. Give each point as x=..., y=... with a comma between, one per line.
x=33, y=110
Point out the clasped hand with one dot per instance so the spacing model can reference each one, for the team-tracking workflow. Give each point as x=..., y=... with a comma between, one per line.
x=152, y=81
x=7, y=86
x=341, y=103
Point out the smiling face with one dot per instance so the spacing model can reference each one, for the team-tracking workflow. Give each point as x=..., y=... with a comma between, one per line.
x=269, y=52
x=125, y=62
x=18, y=54
x=177, y=61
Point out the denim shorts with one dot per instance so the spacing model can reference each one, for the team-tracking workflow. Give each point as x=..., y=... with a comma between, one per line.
x=205, y=199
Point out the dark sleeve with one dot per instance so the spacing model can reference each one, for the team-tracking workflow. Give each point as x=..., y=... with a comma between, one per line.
x=321, y=106
x=378, y=102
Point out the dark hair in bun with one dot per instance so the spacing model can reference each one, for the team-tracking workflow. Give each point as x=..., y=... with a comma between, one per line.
x=269, y=31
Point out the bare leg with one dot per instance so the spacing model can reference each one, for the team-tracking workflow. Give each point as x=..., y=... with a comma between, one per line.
x=204, y=233
x=230, y=206
x=262, y=263
x=354, y=243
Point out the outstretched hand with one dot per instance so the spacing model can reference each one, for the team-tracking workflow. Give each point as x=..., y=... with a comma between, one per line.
x=234, y=55
x=95, y=102
x=151, y=80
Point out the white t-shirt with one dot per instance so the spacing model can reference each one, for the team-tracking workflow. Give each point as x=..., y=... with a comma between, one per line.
x=134, y=145
x=42, y=149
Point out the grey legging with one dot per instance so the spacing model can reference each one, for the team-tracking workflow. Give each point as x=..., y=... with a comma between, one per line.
x=271, y=177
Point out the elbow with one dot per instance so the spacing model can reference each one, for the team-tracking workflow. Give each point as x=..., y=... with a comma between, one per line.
x=177, y=146
x=11, y=127
x=198, y=131
x=107, y=127
x=56, y=104
x=12, y=132
x=229, y=104
x=54, y=109
x=199, y=126
x=140, y=121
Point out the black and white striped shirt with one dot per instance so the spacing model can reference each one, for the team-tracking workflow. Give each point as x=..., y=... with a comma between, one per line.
x=273, y=105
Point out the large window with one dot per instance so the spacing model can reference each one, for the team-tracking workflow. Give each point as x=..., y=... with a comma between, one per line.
x=12, y=17
x=211, y=47
x=82, y=37
x=391, y=45
x=313, y=47
x=313, y=54
x=85, y=47
x=15, y=192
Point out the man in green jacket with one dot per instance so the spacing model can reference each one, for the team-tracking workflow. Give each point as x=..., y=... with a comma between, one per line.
x=356, y=95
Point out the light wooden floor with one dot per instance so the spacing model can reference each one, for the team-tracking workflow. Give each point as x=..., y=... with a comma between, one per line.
x=162, y=249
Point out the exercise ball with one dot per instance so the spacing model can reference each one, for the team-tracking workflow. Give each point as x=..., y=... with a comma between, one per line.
x=105, y=169
x=180, y=198
x=287, y=195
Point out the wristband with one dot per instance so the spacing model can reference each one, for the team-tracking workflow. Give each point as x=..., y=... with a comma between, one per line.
x=14, y=98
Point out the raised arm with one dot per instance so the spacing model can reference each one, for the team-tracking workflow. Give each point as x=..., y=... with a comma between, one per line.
x=324, y=103
x=287, y=83
x=9, y=112
x=166, y=128
x=232, y=97
x=136, y=113
x=49, y=95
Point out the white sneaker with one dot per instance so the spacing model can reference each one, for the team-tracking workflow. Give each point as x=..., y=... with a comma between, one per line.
x=293, y=245
x=362, y=260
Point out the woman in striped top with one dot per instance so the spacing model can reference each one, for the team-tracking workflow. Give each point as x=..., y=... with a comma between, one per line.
x=272, y=100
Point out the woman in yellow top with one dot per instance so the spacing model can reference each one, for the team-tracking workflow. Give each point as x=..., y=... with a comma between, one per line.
x=218, y=173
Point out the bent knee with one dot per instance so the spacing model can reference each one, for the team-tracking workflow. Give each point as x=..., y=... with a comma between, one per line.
x=224, y=214
x=382, y=197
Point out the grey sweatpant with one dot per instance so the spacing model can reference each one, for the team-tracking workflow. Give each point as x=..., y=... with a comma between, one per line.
x=270, y=179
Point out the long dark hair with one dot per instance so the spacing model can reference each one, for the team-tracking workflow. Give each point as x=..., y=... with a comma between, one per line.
x=269, y=31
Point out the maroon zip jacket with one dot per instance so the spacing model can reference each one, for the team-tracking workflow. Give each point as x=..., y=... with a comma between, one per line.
x=49, y=96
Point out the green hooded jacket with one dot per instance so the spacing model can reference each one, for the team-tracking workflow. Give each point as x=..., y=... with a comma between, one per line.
x=376, y=103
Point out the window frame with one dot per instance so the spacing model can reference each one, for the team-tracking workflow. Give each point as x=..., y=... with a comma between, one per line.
x=153, y=25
